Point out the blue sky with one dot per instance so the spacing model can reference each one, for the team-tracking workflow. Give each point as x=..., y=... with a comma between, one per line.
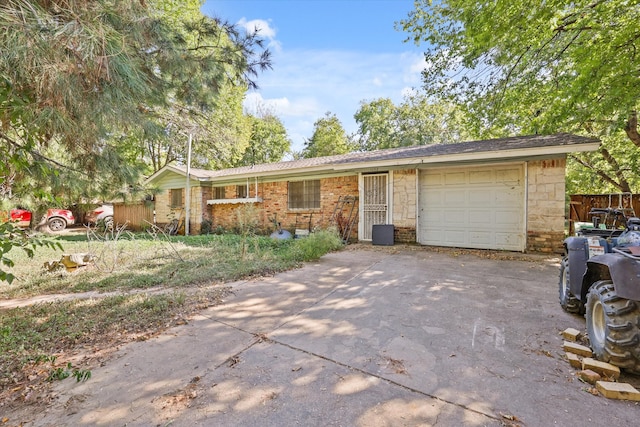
x=328, y=56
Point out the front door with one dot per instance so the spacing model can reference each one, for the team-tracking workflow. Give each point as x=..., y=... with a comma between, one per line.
x=375, y=203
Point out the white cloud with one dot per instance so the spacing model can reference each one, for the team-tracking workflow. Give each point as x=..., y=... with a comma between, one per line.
x=264, y=30
x=305, y=84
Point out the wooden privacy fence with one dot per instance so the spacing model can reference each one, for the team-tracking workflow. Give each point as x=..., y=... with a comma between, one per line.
x=581, y=204
x=137, y=216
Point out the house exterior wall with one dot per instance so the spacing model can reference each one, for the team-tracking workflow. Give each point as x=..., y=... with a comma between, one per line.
x=405, y=198
x=546, y=205
x=544, y=210
x=274, y=204
x=198, y=203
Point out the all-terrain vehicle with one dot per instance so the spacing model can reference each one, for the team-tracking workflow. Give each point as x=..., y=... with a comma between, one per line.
x=600, y=277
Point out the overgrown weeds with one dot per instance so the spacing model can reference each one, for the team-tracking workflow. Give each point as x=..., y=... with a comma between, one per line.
x=48, y=333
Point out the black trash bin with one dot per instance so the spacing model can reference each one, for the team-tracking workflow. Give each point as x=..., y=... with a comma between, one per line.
x=382, y=234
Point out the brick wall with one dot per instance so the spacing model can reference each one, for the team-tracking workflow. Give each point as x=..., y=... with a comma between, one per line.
x=275, y=205
x=546, y=205
x=404, y=234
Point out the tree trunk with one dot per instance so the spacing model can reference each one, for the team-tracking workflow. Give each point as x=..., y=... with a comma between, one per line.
x=631, y=128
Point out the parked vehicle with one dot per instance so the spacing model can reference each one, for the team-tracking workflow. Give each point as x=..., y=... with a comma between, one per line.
x=103, y=213
x=600, y=278
x=59, y=219
x=56, y=219
x=20, y=217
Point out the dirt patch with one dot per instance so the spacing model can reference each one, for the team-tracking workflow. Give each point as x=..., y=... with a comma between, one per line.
x=30, y=389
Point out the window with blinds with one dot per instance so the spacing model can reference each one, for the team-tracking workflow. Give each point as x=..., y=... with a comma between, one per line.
x=304, y=194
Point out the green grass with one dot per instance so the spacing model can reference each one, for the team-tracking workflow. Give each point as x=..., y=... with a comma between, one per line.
x=44, y=333
x=136, y=262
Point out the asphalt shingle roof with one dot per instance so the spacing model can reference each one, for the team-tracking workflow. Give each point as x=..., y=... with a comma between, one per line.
x=422, y=151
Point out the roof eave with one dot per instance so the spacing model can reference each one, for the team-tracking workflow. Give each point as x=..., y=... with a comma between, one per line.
x=458, y=157
x=520, y=153
x=174, y=169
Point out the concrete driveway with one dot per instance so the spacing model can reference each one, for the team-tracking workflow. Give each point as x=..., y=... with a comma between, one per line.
x=400, y=336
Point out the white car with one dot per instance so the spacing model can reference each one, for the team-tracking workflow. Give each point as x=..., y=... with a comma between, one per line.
x=103, y=213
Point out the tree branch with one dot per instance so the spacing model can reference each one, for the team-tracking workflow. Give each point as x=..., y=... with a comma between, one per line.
x=631, y=128
x=623, y=183
x=597, y=171
x=37, y=154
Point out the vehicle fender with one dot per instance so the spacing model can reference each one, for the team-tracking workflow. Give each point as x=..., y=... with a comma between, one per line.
x=622, y=271
x=578, y=253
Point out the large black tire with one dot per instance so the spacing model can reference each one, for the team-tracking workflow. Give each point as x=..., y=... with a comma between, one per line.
x=568, y=301
x=613, y=326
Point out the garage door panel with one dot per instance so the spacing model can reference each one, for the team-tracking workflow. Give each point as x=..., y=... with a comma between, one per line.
x=433, y=218
x=506, y=240
x=433, y=197
x=480, y=237
x=431, y=179
x=457, y=237
x=457, y=178
x=481, y=177
x=511, y=195
x=455, y=216
x=508, y=217
x=475, y=207
x=436, y=234
x=508, y=175
x=480, y=219
x=456, y=197
x=481, y=196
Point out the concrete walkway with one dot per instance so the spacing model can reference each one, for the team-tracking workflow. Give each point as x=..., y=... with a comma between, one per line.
x=360, y=338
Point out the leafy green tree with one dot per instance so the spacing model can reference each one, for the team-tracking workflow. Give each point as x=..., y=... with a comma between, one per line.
x=416, y=121
x=518, y=67
x=269, y=141
x=79, y=78
x=329, y=138
x=84, y=74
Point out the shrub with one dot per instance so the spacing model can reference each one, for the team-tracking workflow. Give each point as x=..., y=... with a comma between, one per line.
x=316, y=244
x=206, y=227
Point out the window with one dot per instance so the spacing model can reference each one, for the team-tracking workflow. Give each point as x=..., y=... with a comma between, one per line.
x=218, y=193
x=175, y=195
x=241, y=191
x=304, y=194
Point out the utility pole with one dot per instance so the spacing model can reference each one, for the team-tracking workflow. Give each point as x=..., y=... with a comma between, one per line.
x=187, y=197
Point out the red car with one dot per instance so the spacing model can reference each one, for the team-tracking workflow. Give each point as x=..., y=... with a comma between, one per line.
x=21, y=217
x=56, y=219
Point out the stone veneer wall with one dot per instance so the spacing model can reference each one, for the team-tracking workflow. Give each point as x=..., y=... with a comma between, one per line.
x=546, y=205
x=404, y=205
x=275, y=204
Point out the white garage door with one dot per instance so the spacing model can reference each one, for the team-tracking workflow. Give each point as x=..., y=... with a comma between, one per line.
x=479, y=207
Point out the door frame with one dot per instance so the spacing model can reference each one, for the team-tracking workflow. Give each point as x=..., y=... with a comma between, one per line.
x=361, y=197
